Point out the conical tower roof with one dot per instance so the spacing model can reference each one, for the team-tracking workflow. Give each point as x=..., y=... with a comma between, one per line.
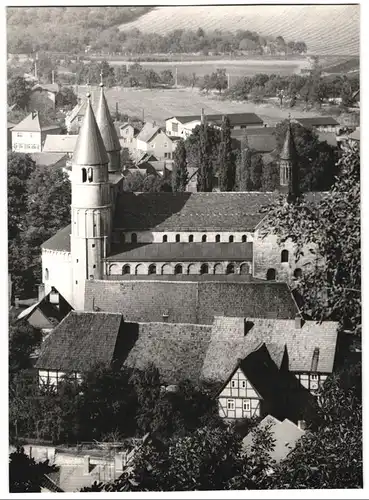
x=90, y=149
x=104, y=120
x=289, y=149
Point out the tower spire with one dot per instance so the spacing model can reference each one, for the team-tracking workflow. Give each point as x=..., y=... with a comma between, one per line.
x=108, y=132
x=90, y=148
x=289, y=178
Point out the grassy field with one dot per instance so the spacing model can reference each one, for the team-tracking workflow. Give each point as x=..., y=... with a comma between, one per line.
x=161, y=104
x=236, y=69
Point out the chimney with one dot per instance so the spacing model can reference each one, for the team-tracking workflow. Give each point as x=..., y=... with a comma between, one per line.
x=298, y=322
x=41, y=291
x=86, y=464
x=301, y=424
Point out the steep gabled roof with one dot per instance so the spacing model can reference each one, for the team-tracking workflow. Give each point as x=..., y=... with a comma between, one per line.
x=90, y=149
x=80, y=341
x=60, y=242
x=147, y=132
x=106, y=126
x=33, y=123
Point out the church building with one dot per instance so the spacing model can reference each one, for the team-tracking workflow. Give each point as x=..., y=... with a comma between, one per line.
x=119, y=236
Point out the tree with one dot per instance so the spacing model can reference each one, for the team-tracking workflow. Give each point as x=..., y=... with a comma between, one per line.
x=271, y=176
x=331, y=456
x=66, y=98
x=20, y=168
x=346, y=94
x=243, y=166
x=18, y=91
x=147, y=387
x=205, y=170
x=180, y=172
x=256, y=171
x=150, y=78
x=166, y=77
x=219, y=80
x=23, y=340
x=226, y=165
x=25, y=475
x=331, y=230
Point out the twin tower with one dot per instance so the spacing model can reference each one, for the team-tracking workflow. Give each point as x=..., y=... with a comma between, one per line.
x=97, y=153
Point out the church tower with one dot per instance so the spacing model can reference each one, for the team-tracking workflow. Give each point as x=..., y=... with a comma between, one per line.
x=288, y=166
x=91, y=207
x=108, y=133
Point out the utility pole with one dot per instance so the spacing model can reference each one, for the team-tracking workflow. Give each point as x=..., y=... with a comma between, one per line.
x=143, y=115
x=176, y=77
x=52, y=76
x=228, y=80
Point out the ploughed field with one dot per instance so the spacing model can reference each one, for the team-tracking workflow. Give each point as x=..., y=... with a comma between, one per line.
x=159, y=104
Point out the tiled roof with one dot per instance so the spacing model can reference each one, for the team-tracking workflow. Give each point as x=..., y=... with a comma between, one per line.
x=177, y=350
x=60, y=143
x=355, y=135
x=259, y=131
x=213, y=211
x=33, y=123
x=60, y=241
x=147, y=132
x=50, y=87
x=48, y=159
x=317, y=121
x=194, y=302
x=234, y=118
x=80, y=341
x=182, y=252
x=285, y=434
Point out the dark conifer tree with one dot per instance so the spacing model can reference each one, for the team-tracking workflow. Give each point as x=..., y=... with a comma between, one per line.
x=180, y=171
x=226, y=165
x=243, y=166
x=205, y=171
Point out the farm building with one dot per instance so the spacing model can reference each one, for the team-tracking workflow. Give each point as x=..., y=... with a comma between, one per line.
x=320, y=123
x=258, y=362
x=43, y=95
x=182, y=126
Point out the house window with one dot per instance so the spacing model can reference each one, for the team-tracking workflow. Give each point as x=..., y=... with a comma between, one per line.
x=230, y=404
x=314, y=377
x=217, y=238
x=284, y=256
x=190, y=238
x=243, y=384
x=270, y=276
x=244, y=238
x=174, y=127
x=166, y=155
x=152, y=269
x=203, y=239
x=133, y=238
x=46, y=274
x=246, y=405
x=233, y=383
x=178, y=269
x=230, y=269
x=19, y=134
x=204, y=269
x=178, y=238
x=126, y=269
x=84, y=175
x=93, y=245
x=297, y=273
x=165, y=238
x=231, y=238
x=90, y=175
x=165, y=144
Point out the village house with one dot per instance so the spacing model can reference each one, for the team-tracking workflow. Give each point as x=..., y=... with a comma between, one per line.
x=43, y=95
x=182, y=126
x=260, y=364
x=152, y=139
x=9, y=129
x=29, y=135
x=320, y=123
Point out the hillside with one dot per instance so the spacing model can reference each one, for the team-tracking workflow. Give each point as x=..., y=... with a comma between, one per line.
x=333, y=29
